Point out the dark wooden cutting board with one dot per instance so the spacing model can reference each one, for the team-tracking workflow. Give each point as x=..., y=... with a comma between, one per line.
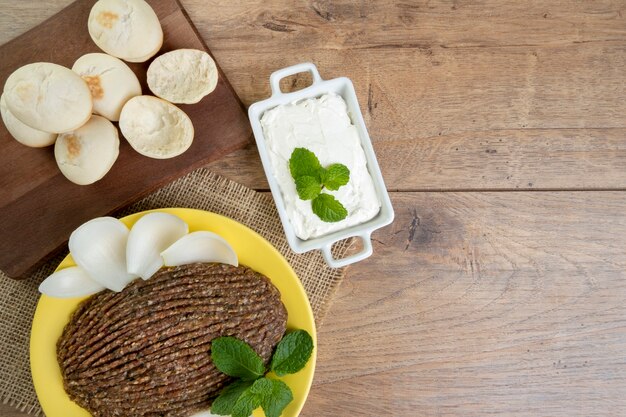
x=39, y=208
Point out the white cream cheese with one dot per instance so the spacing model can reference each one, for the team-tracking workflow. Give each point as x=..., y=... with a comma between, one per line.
x=324, y=127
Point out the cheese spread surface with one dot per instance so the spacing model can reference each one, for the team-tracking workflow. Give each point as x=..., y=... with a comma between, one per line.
x=323, y=126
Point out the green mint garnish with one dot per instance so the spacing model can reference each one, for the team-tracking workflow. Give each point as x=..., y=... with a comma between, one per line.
x=242, y=397
x=335, y=176
x=223, y=405
x=246, y=403
x=262, y=387
x=292, y=353
x=328, y=208
x=271, y=394
x=311, y=178
x=277, y=399
x=308, y=187
x=303, y=162
x=236, y=358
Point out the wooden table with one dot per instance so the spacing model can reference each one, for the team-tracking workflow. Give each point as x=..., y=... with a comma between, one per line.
x=500, y=127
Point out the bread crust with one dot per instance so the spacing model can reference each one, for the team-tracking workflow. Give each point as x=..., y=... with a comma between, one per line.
x=48, y=97
x=156, y=128
x=183, y=76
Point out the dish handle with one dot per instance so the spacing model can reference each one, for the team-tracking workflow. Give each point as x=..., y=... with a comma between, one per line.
x=366, y=252
x=292, y=70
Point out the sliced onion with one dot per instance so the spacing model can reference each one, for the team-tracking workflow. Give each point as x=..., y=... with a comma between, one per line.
x=70, y=282
x=99, y=247
x=200, y=247
x=150, y=236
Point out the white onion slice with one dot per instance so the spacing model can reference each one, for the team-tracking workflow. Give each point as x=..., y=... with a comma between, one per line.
x=200, y=247
x=150, y=236
x=70, y=282
x=99, y=247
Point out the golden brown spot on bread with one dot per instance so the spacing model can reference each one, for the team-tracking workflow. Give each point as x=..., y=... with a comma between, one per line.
x=93, y=82
x=73, y=146
x=107, y=19
x=26, y=92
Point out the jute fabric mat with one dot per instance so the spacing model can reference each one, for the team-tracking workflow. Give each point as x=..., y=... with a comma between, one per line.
x=200, y=189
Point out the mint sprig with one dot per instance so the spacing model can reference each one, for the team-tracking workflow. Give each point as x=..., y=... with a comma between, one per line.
x=308, y=187
x=247, y=402
x=311, y=178
x=303, y=162
x=224, y=404
x=335, y=176
x=254, y=389
x=328, y=208
x=275, y=400
x=292, y=353
x=236, y=358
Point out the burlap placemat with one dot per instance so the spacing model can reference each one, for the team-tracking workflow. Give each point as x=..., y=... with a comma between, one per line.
x=202, y=190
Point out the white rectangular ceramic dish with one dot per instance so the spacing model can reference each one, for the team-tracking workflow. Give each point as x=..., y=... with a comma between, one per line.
x=343, y=87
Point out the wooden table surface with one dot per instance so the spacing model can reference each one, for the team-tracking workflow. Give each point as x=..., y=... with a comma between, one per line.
x=500, y=127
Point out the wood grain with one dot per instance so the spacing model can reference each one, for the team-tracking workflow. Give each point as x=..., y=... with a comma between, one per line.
x=481, y=304
x=546, y=78
x=460, y=95
x=474, y=303
x=517, y=159
x=39, y=207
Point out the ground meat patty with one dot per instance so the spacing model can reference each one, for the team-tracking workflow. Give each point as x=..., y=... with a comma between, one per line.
x=146, y=351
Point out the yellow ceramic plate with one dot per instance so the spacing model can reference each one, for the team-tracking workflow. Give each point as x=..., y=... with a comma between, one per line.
x=52, y=314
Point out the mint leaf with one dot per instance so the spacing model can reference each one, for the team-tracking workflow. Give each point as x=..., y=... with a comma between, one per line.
x=308, y=187
x=292, y=352
x=279, y=397
x=247, y=402
x=262, y=387
x=252, y=397
x=335, y=176
x=235, y=357
x=310, y=177
x=224, y=403
x=303, y=162
x=328, y=208
x=272, y=395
